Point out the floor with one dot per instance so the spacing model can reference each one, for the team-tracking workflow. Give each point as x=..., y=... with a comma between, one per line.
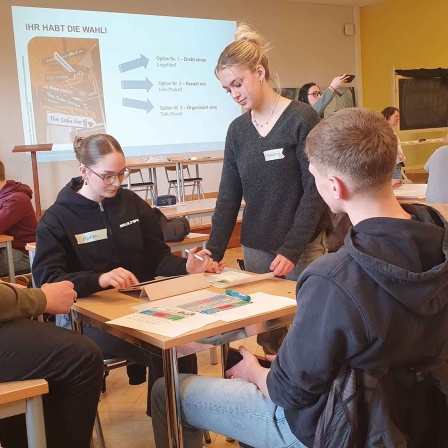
x=123, y=408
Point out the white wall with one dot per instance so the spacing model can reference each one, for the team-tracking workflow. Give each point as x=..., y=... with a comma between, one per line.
x=309, y=45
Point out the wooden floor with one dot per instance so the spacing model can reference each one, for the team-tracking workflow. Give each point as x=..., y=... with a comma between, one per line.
x=123, y=407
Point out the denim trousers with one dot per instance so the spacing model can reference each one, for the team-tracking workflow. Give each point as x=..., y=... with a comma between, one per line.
x=257, y=260
x=234, y=408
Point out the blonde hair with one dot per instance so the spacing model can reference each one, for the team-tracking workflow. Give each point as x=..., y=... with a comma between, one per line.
x=356, y=143
x=247, y=52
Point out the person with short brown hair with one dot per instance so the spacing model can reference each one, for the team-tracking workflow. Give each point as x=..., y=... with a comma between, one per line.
x=17, y=219
x=380, y=302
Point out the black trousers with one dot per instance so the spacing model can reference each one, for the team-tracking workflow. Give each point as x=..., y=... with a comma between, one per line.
x=73, y=366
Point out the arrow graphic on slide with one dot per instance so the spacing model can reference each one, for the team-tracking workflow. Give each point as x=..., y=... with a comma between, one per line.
x=147, y=84
x=137, y=104
x=142, y=61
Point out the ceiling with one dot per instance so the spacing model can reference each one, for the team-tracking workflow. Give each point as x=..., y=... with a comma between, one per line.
x=339, y=2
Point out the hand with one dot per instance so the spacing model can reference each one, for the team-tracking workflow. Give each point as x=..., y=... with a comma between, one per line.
x=396, y=183
x=117, y=278
x=270, y=358
x=196, y=265
x=246, y=368
x=60, y=297
x=216, y=267
x=338, y=81
x=281, y=265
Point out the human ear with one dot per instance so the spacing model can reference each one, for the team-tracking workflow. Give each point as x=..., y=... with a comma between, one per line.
x=337, y=187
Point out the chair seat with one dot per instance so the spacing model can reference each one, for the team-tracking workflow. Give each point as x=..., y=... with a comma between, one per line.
x=190, y=179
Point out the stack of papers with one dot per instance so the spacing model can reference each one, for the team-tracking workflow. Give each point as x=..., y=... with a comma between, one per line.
x=180, y=314
x=411, y=191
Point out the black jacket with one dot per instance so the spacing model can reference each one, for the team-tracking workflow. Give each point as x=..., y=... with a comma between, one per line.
x=380, y=301
x=79, y=239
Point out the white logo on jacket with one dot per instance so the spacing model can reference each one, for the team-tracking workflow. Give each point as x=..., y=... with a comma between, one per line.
x=128, y=223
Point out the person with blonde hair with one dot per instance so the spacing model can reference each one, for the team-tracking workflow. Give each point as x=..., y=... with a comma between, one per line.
x=285, y=220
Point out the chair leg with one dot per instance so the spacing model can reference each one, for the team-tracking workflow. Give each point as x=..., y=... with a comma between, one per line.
x=207, y=437
x=213, y=356
x=99, y=431
x=35, y=426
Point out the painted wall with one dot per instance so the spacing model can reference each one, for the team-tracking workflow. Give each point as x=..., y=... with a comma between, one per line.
x=309, y=45
x=401, y=34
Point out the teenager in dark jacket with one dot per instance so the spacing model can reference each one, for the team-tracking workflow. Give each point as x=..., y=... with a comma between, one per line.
x=98, y=236
x=380, y=301
x=17, y=219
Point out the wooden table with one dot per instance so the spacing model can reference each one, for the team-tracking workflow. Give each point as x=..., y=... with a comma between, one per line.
x=101, y=307
x=179, y=163
x=6, y=241
x=198, y=208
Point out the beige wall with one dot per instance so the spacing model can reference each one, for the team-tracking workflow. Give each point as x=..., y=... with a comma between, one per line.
x=309, y=45
x=402, y=34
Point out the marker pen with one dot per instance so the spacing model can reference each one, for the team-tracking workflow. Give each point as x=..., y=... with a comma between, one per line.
x=244, y=297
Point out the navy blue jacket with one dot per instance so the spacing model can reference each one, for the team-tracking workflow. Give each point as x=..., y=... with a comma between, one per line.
x=381, y=300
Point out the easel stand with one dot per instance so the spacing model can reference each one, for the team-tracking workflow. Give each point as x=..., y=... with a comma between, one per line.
x=33, y=149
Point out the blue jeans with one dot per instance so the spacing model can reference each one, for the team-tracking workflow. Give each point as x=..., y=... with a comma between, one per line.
x=234, y=408
x=258, y=261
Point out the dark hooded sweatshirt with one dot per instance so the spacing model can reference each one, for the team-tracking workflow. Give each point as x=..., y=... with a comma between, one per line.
x=79, y=239
x=381, y=300
x=17, y=217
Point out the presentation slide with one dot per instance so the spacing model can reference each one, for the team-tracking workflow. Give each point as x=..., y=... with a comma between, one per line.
x=147, y=80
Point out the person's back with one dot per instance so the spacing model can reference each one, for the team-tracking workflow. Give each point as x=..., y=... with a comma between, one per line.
x=17, y=219
x=380, y=302
x=437, y=167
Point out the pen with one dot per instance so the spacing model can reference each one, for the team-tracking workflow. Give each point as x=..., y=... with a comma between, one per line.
x=244, y=297
x=195, y=256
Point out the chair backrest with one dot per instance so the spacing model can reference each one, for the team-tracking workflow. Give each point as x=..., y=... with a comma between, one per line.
x=173, y=168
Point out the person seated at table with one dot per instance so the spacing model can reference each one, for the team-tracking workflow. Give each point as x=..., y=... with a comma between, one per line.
x=380, y=301
x=17, y=219
x=392, y=116
x=99, y=235
x=70, y=363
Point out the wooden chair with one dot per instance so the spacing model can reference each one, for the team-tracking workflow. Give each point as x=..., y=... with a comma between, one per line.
x=25, y=397
x=193, y=182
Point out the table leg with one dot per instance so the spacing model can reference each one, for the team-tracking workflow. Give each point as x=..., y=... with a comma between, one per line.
x=154, y=179
x=11, y=273
x=173, y=410
x=35, y=426
x=182, y=183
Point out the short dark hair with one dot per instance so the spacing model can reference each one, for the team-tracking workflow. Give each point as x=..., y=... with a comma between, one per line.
x=2, y=171
x=388, y=112
x=90, y=149
x=303, y=92
x=356, y=143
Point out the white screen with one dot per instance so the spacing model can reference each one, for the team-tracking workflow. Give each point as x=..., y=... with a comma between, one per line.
x=147, y=80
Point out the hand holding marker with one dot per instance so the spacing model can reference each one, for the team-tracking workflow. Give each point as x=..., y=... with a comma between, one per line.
x=195, y=256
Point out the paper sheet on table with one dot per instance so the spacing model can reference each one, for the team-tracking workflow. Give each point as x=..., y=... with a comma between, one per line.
x=411, y=191
x=229, y=278
x=260, y=303
x=164, y=320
